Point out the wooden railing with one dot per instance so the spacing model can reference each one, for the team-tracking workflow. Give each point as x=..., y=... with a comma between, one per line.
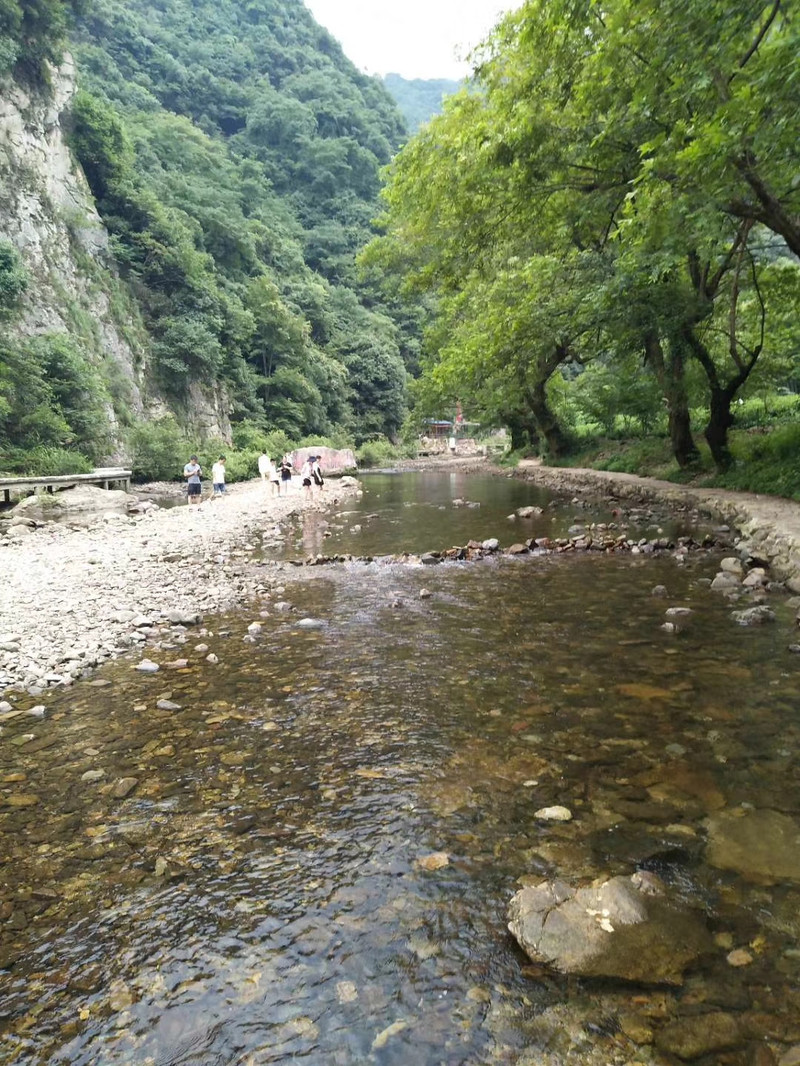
x=106, y=477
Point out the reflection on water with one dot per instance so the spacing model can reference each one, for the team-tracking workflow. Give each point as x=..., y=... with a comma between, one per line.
x=416, y=513
x=247, y=882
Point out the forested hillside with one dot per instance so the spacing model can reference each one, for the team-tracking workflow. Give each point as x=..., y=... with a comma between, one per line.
x=608, y=219
x=419, y=99
x=233, y=153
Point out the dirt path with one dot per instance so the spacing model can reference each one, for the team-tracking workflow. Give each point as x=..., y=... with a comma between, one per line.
x=769, y=525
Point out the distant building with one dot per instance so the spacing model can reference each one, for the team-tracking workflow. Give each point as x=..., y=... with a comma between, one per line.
x=437, y=427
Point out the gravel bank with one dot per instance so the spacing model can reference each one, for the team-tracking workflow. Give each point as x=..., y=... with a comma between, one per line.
x=71, y=597
x=769, y=526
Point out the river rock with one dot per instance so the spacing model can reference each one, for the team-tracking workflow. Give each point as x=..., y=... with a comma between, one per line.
x=679, y=614
x=608, y=929
x=93, y=776
x=314, y=623
x=124, y=786
x=554, y=814
x=83, y=499
x=184, y=618
x=732, y=565
x=724, y=582
x=762, y=846
x=689, y=1038
x=528, y=512
x=754, y=616
x=491, y=544
x=147, y=666
x=756, y=578
x=660, y=591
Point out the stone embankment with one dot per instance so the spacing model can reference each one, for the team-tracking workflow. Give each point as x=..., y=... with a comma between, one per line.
x=769, y=526
x=74, y=596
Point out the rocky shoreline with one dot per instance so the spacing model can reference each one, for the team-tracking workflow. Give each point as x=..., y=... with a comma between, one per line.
x=76, y=595
x=769, y=526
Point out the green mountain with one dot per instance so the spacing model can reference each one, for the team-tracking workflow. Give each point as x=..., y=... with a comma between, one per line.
x=419, y=99
x=233, y=154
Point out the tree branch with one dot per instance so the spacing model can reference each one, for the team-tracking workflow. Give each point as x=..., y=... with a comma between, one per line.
x=751, y=51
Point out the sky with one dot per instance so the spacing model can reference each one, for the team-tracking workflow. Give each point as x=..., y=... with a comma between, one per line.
x=415, y=38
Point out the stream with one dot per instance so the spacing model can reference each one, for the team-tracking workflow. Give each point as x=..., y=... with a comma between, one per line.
x=307, y=851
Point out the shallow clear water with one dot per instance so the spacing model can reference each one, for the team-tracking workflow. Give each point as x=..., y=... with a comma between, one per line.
x=261, y=894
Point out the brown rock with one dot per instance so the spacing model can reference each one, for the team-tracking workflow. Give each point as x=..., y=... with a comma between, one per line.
x=689, y=1038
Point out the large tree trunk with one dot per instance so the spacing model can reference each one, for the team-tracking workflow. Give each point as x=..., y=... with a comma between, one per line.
x=546, y=421
x=719, y=422
x=524, y=431
x=670, y=373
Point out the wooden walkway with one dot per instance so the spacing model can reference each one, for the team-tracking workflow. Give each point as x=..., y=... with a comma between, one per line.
x=106, y=477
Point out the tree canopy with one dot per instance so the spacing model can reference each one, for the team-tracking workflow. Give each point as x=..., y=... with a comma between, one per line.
x=615, y=182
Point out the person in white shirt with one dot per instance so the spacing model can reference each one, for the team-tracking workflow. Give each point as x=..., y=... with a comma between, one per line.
x=264, y=465
x=306, y=477
x=218, y=476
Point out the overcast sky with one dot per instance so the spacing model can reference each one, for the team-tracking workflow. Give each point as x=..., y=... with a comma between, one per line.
x=415, y=38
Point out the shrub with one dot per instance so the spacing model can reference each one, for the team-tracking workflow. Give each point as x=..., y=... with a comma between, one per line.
x=52, y=462
x=159, y=450
x=277, y=443
x=376, y=453
x=249, y=436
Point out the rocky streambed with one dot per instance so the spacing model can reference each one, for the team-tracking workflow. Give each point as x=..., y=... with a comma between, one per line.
x=113, y=570
x=294, y=831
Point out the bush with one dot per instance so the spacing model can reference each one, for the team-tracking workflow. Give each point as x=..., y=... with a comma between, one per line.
x=52, y=462
x=249, y=436
x=159, y=450
x=376, y=453
x=277, y=443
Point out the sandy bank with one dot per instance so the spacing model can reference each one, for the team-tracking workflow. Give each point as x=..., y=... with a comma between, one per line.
x=769, y=525
x=72, y=598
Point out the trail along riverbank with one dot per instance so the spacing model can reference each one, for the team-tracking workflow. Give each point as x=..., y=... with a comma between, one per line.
x=72, y=598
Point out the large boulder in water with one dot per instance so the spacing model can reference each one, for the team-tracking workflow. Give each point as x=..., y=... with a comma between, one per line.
x=83, y=499
x=332, y=460
x=762, y=846
x=626, y=928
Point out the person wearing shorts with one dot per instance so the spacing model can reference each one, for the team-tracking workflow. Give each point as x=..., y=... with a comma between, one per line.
x=305, y=475
x=274, y=479
x=286, y=472
x=193, y=473
x=218, y=476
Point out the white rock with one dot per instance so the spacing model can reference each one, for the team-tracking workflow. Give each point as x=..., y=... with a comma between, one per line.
x=554, y=814
x=147, y=666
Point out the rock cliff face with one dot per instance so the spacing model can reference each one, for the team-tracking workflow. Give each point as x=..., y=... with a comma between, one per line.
x=47, y=212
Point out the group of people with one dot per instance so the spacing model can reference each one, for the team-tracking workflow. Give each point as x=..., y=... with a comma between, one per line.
x=279, y=476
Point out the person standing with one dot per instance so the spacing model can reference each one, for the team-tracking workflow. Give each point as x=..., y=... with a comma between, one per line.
x=316, y=473
x=305, y=476
x=286, y=473
x=274, y=478
x=218, y=476
x=264, y=465
x=193, y=473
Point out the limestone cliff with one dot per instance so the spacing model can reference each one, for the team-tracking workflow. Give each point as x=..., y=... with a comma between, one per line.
x=47, y=212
